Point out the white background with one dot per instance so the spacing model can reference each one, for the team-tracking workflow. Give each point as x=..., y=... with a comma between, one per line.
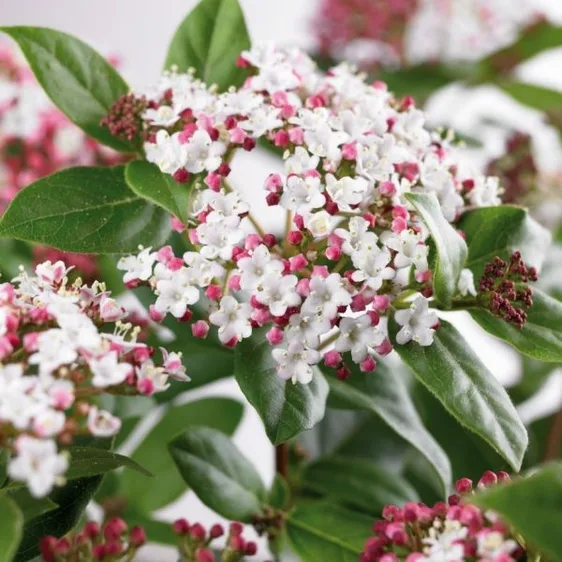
x=139, y=31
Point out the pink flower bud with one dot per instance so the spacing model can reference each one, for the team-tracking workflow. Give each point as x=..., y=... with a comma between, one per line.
x=193, y=236
x=281, y=138
x=181, y=175
x=349, y=151
x=296, y=135
x=200, y=329
x=177, y=225
x=399, y=211
x=343, y=373
x=270, y=240
x=273, y=183
x=234, y=283
x=288, y=111
x=381, y=303
x=387, y=189
x=358, y=303
x=320, y=271
x=236, y=529
x=303, y=287
x=230, y=122
x=30, y=341
x=463, y=486
x=137, y=536
x=297, y=262
x=249, y=144
x=261, y=316
x=295, y=237
x=298, y=220
x=237, y=135
x=272, y=199
x=197, y=531
x=384, y=348
x=333, y=253
x=398, y=225
x=175, y=264
x=423, y=276
x=274, y=335
x=252, y=241
x=251, y=548
x=279, y=99
x=180, y=527
x=332, y=359
x=370, y=218
x=489, y=478
x=213, y=181
x=165, y=254
x=216, y=531
x=368, y=365
x=145, y=387
x=214, y=292
x=204, y=555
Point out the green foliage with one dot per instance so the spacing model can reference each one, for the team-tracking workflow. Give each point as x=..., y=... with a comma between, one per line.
x=148, y=182
x=384, y=393
x=286, y=409
x=450, y=248
x=11, y=528
x=323, y=531
x=469, y=392
x=81, y=83
x=532, y=506
x=218, y=473
x=86, y=210
x=279, y=495
x=358, y=484
x=209, y=40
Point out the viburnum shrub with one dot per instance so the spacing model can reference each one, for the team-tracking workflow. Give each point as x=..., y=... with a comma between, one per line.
x=339, y=324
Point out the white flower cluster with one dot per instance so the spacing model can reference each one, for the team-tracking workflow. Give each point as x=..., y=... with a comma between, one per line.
x=353, y=242
x=53, y=356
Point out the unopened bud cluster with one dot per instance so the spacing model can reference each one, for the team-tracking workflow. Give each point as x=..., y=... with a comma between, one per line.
x=454, y=531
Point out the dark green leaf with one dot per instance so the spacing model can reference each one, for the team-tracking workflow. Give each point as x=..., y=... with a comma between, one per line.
x=29, y=506
x=72, y=500
x=327, y=532
x=210, y=39
x=532, y=506
x=280, y=495
x=89, y=210
x=147, y=181
x=540, y=337
x=286, y=409
x=4, y=458
x=450, y=248
x=358, y=483
x=218, y=473
x=10, y=529
x=453, y=373
x=499, y=231
x=89, y=461
x=81, y=83
x=222, y=414
x=537, y=97
x=385, y=394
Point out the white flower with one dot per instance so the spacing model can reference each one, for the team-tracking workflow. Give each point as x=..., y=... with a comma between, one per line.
x=219, y=238
x=371, y=262
x=358, y=335
x=417, y=323
x=253, y=269
x=176, y=294
x=164, y=116
x=202, y=153
x=492, y=544
x=48, y=423
x=410, y=249
x=101, y=423
x=38, y=464
x=139, y=267
x=110, y=310
x=465, y=285
x=202, y=270
x=376, y=160
x=275, y=78
x=302, y=194
x=320, y=223
x=485, y=192
x=173, y=365
x=347, y=191
x=308, y=327
x=167, y=152
x=52, y=273
x=295, y=360
x=262, y=120
x=442, y=545
x=80, y=331
x=233, y=319
x=300, y=161
x=323, y=141
x=157, y=375
x=241, y=102
x=279, y=293
x=108, y=371
x=326, y=295
x=353, y=235
x=54, y=350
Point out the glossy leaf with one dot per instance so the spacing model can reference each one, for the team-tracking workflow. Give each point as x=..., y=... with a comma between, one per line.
x=89, y=461
x=385, y=394
x=499, y=231
x=72, y=500
x=223, y=479
x=358, y=484
x=148, y=182
x=11, y=528
x=323, y=531
x=29, y=506
x=531, y=95
x=454, y=374
x=210, y=39
x=88, y=210
x=81, y=83
x=286, y=409
x=451, y=251
x=279, y=495
x=540, y=337
x=222, y=414
x=532, y=506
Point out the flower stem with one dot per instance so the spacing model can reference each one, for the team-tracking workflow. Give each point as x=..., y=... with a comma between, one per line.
x=282, y=460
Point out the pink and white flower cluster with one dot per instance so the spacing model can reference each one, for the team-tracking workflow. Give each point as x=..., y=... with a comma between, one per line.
x=452, y=532
x=353, y=249
x=400, y=32
x=56, y=352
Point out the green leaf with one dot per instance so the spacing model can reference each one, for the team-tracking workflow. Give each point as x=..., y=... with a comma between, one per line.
x=89, y=461
x=358, y=484
x=210, y=39
x=218, y=473
x=450, y=248
x=385, y=394
x=88, y=210
x=222, y=414
x=540, y=337
x=286, y=409
x=4, y=458
x=148, y=182
x=11, y=529
x=72, y=500
x=532, y=506
x=323, y=531
x=279, y=495
x=499, y=231
x=531, y=95
x=29, y=506
x=81, y=83
x=454, y=374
